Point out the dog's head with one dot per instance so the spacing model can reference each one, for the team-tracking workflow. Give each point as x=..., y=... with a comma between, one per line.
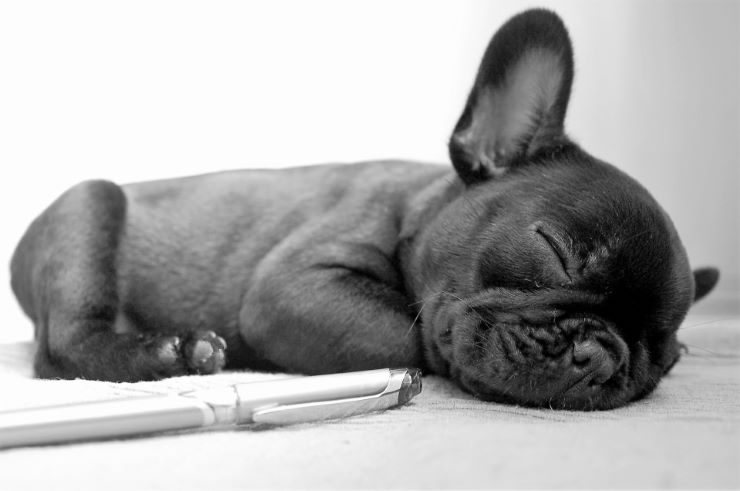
x=557, y=280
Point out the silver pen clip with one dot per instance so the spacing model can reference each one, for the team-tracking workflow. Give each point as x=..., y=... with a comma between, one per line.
x=402, y=385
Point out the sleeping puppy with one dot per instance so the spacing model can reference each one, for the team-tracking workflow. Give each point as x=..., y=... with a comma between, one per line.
x=531, y=273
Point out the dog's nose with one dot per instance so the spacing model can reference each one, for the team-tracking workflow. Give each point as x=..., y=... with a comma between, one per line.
x=592, y=363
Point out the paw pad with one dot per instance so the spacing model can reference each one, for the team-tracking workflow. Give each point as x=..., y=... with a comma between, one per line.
x=205, y=352
x=168, y=350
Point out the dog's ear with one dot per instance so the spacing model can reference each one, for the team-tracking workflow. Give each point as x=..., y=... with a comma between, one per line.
x=518, y=102
x=705, y=279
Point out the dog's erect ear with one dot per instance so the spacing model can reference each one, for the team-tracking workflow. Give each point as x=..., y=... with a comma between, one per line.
x=705, y=279
x=518, y=102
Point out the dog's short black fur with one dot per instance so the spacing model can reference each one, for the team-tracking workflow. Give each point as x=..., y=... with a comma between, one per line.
x=534, y=274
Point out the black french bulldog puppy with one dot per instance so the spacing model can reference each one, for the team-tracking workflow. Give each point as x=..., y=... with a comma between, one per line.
x=533, y=273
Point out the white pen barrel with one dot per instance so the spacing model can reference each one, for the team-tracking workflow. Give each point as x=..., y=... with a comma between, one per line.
x=103, y=419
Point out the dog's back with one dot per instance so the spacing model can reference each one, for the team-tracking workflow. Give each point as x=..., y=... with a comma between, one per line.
x=191, y=246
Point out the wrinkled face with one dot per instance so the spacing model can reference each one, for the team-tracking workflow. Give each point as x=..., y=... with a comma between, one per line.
x=561, y=285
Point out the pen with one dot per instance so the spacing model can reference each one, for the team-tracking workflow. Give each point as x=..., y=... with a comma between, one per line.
x=277, y=402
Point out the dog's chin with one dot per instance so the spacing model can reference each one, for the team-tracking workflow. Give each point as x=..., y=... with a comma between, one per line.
x=579, y=397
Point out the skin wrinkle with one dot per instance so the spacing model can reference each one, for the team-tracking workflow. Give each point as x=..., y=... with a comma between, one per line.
x=508, y=333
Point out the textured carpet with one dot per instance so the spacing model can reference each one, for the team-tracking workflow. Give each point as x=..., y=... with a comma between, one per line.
x=685, y=435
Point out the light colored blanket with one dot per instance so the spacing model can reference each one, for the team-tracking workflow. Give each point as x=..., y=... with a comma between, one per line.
x=685, y=435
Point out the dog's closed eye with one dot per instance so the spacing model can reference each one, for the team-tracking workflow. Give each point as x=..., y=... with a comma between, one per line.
x=556, y=245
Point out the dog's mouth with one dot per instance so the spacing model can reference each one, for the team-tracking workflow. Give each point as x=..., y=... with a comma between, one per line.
x=572, y=364
x=543, y=358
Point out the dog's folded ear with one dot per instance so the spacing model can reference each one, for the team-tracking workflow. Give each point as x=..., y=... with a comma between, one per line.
x=518, y=102
x=705, y=279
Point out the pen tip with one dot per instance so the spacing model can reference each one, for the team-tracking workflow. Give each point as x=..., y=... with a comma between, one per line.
x=411, y=386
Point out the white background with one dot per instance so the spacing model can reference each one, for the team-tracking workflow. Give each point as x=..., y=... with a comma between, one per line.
x=136, y=90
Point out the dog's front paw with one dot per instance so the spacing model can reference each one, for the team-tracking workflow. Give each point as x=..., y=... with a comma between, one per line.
x=204, y=352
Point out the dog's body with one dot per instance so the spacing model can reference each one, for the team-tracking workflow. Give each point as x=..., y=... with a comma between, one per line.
x=221, y=251
x=532, y=273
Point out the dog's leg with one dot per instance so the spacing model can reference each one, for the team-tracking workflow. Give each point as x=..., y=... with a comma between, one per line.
x=329, y=316
x=64, y=275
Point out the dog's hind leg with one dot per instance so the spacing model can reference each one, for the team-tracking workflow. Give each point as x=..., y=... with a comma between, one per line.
x=64, y=275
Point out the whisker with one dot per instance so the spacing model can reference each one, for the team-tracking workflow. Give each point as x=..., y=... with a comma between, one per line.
x=692, y=346
x=425, y=299
x=418, y=314
x=423, y=303
x=705, y=323
x=639, y=234
x=507, y=383
x=452, y=295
